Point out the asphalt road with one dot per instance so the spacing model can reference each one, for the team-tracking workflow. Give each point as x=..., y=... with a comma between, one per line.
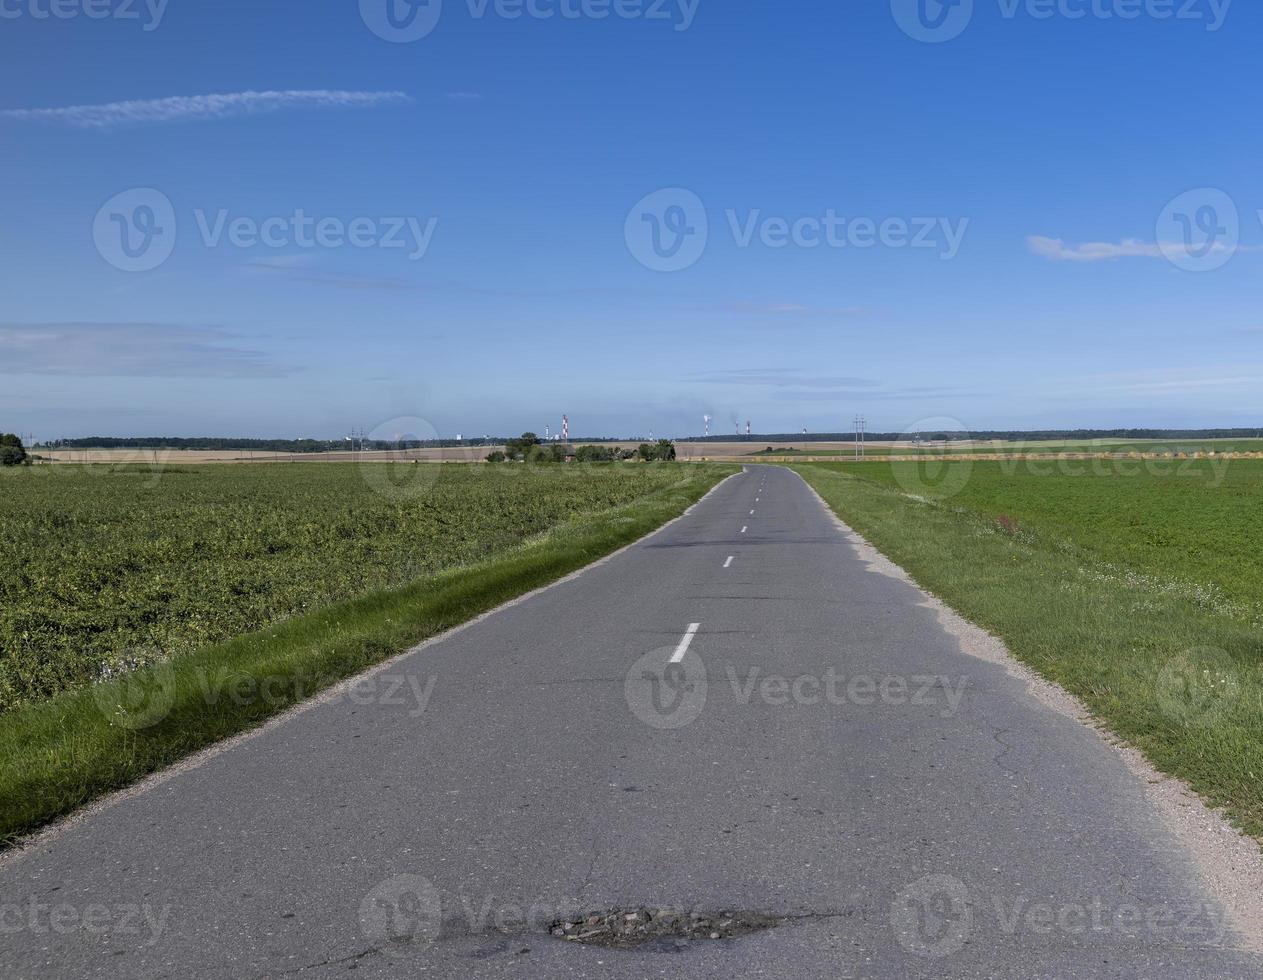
x=821, y=752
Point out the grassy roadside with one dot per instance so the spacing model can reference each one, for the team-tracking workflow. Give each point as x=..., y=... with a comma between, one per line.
x=59, y=754
x=1167, y=666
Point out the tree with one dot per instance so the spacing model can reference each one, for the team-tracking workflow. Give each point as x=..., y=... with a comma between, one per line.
x=663, y=451
x=496, y=457
x=12, y=452
x=521, y=445
x=593, y=454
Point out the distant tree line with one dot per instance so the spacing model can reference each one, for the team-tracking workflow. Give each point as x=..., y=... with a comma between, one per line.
x=263, y=445
x=529, y=448
x=342, y=445
x=1011, y=435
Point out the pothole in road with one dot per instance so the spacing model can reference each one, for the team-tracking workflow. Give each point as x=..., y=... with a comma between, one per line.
x=629, y=928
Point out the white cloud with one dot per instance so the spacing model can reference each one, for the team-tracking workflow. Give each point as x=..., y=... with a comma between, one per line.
x=1058, y=250
x=1173, y=381
x=1129, y=248
x=185, y=107
x=130, y=350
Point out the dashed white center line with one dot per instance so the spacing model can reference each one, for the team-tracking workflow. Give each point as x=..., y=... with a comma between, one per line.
x=743, y=529
x=752, y=512
x=728, y=562
x=683, y=648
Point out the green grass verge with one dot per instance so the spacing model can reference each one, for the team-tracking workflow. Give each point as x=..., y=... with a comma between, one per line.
x=1163, y=660
x=59, y=754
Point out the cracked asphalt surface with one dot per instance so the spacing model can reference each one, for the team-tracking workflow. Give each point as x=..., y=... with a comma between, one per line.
x=823, y=753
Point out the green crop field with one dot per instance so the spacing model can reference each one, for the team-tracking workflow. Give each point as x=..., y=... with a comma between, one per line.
x=1137, y=587
x=1032, y=447
x=145, y=615
x=107, y=568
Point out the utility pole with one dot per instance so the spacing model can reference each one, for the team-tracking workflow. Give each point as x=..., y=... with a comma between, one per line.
x=860, y=424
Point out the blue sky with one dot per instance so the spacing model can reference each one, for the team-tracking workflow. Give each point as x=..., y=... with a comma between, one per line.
x=1044, y=161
